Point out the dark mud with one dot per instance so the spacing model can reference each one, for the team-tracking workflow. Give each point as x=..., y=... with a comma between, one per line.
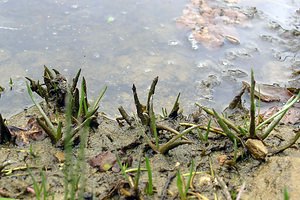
x=262, y=179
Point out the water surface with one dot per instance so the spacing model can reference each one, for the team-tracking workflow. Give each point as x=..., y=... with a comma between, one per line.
x=117, y=43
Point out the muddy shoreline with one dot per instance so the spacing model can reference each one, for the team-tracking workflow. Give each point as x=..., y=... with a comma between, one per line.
x=262, y=179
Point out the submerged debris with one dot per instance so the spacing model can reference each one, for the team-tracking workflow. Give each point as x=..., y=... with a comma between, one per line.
x=210, y=24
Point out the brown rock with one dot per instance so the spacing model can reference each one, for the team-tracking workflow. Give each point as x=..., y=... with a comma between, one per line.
x=257, y=149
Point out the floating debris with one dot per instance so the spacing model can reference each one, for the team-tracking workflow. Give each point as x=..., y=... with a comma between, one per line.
x=110, y=19
x=173, y=42
x=232, y=40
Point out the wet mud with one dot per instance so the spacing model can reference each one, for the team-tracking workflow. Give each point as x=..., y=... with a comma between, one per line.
x=262, y=179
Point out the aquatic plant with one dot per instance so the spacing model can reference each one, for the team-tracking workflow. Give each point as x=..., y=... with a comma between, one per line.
x=148, y=119
x=40, y=189
x=74, y=169
x=249, y=137
x=149, y=189
x=183, y=187
x=55, y=95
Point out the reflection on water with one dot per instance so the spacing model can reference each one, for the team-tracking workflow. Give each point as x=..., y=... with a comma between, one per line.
x=118, y=43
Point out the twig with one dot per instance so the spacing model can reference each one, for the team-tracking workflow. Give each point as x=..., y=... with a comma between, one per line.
x=224, y=187
x=125, y=116
x=163, y=127
x=237, y=100
x=211, y=129
x=239, y=195
x=171, y=143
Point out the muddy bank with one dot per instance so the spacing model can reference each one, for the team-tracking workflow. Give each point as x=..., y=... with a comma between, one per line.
x=262, y=179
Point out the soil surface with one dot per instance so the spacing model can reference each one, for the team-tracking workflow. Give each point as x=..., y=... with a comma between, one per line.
x=257, y=179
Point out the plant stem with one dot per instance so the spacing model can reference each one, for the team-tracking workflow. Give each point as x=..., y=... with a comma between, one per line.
x=252, y=107
x=287, y=106
x=283, y=147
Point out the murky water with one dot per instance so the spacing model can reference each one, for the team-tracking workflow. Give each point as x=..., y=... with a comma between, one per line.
x=118, y=43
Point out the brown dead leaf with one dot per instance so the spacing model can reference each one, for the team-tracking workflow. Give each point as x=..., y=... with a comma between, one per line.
x=291, y=117
x=103, y=161
x=270, y=93
x=31, y=132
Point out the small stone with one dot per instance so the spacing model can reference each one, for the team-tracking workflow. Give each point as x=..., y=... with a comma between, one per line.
x=257, y=149
x=60, y=156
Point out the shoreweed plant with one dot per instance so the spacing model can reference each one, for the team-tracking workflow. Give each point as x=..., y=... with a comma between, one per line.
x=148, y=119
x=183, y=187
x=149, y=189
x=258, y=132
x=40, y=189
x=81, y=112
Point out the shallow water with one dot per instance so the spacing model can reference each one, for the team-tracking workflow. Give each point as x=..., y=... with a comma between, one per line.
x=118, y=43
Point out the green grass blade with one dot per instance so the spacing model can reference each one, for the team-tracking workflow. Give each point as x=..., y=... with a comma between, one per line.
x=226, y=121
x=82, y=100
x=189, y=179
x=137, y=177
x=252, y=107
x=68, y=166
x=101, y=94
x=36, y=188
x=180, y=186
x=150, y=184
x=123, y=168
x=287, y=106
x=44, y=185
x=207, y=131
x=153, y=123
x=39, y=107
x=273, y=124
x=49, y=123
x=224, y=127
x=286, y=195
x=167, y=146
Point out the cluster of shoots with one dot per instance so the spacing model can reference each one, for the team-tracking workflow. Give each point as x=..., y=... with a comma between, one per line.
x=238, y=134
x=80, y=115
x=148, y=119
x=55, y=93
x=134, y=190
x=78, y=118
